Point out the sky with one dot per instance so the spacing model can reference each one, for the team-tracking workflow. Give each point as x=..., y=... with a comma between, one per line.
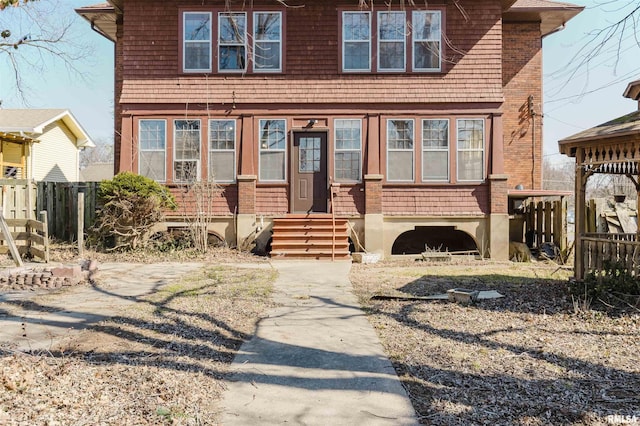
x=571, y=104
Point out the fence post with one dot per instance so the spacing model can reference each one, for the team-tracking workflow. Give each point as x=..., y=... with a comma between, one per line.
x=45, y=220
x=80, y=201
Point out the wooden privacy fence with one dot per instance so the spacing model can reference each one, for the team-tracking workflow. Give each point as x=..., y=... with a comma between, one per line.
x=60, y=201
x=600, y=249
x=546, y=222
x=18, y=198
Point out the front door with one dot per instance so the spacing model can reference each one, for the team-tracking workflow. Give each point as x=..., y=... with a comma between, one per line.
x=309, y=172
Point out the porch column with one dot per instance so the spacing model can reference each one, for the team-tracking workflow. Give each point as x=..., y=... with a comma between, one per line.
x=373, y=145
x=373, y=218
x=498, y=217
x=580, y=203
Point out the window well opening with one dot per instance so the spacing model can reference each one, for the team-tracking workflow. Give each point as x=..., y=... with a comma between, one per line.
x=440, y=238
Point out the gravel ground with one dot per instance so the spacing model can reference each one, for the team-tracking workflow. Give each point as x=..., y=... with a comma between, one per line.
x=530, y=358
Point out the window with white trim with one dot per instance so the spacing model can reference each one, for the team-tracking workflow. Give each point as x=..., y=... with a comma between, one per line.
x=232, y=42
x=391, y=41
x=152, y=142
x=400, y=35
x=267, y=41
x=186, y=150
x=222, y=150
x=435, y=150
x=400, y=163
x=348, y=150
x=470, y=144
x=273, y=150
x=356, y=41
x=196, y=48
x=427, y=35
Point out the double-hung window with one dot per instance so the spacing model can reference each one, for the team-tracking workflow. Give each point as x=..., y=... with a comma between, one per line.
x=435, y=150
x=196, y=48
x=152, y=142
x=426, y=40
x=273, y=150
x=391, y=41
x=267, y=41
x=232, y=42
x=400, y=150
x=348, y=150
x=186, y=150
x=405, y=40
x=356, y=41
x=222, y=150
x=470, y=144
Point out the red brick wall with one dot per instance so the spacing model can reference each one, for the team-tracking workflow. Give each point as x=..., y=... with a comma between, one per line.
x=436, y=201
x=522, y=76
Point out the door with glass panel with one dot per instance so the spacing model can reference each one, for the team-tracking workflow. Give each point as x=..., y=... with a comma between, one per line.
x=309, y=172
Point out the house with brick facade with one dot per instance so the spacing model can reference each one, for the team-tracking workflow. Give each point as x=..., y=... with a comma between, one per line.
x=393, y=124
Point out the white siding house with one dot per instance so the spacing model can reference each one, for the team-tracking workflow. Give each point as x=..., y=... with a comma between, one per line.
x=56, y=141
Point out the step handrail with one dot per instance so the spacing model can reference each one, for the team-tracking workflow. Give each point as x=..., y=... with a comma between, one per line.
x=333, y=222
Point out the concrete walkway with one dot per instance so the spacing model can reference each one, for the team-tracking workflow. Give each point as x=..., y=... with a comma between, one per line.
x=315, y=360
x=27, y=325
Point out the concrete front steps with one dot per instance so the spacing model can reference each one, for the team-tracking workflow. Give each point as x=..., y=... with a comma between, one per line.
x=310, y=236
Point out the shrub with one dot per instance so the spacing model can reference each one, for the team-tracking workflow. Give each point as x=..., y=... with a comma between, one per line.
x=131, y=205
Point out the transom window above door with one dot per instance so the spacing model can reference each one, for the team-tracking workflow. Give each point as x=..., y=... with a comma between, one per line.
x=232, y=42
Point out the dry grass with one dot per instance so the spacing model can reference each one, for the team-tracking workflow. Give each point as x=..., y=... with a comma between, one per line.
x=160, y=361
x=526, y=359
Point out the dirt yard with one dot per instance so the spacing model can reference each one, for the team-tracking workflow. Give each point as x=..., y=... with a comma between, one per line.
x=157, y=362
x=530, y=358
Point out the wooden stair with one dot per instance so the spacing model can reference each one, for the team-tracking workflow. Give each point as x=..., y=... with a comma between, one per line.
x=310, y=236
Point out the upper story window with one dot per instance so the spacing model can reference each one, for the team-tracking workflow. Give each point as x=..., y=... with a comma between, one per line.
x=391, y=41
x=404, y=41
x=267, y=41
x=426, y=34
x=232, y=42
x=152, y=142
x=196, y=49
x=356, y=41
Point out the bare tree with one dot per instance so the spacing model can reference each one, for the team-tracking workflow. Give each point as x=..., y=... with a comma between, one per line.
x=101, y=153
x=606, y=45
x=35, y=34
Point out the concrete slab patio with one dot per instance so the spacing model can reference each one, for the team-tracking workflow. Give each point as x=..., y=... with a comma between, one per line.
x=315, y=360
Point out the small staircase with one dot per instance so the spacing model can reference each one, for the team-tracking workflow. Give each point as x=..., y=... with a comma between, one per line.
x=310, y=236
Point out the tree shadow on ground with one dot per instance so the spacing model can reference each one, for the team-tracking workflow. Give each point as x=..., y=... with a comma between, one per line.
x=468, y=371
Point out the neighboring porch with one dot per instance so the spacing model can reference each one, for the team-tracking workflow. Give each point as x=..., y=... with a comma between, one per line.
x=611, y=148
x=14, y=150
